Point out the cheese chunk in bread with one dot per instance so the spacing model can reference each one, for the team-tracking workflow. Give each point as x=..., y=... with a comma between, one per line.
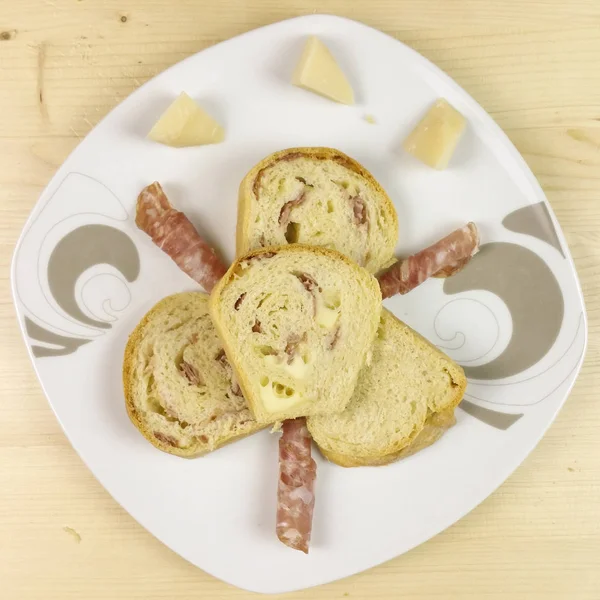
x=403, y=402
x=319, y=197
x=179, y=387
x=297, y=323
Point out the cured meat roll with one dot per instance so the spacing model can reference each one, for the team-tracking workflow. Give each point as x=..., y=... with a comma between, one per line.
x=295, y=491
x=442, y=259
x=175, y=235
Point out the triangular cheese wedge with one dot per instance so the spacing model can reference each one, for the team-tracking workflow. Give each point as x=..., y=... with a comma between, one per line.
x=184, y=123
x=318, y=72
x=435, y=137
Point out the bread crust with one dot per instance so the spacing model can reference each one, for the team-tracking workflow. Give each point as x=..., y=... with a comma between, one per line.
x=248, y=186
x=133, y=342
x=215, y=312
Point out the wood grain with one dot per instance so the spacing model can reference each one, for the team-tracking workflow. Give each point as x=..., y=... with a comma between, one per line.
x=64, y=64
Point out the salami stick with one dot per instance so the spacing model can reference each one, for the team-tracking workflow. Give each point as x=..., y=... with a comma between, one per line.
x=442, y=259
x=174, y=234
x=171, y=231
x=295, y=490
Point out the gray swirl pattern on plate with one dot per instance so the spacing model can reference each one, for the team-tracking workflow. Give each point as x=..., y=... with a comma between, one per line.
x=82, y=249
x=531, y=293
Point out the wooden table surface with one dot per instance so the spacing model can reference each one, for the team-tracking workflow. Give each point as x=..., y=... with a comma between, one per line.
x=534, y=66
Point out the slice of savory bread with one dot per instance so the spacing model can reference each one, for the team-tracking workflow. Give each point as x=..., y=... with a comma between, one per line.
x=297, y=323
x=179, y=387
x=403, y=402
x=319, y=197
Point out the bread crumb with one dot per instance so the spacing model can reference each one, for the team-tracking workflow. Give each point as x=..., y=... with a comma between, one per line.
x=370, y=119
x=276, y=427
x=571, y=469
x=73, y=533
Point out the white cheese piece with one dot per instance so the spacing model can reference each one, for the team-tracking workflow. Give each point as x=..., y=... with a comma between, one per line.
x=435, y=137
x=277, y=397
x=325, y=315
x=184, y=123
x=297, y=368
x=319, y=72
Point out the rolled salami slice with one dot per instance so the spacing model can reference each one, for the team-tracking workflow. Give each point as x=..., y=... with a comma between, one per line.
x=442, y=259
x=295, y=491
x=452, y=269
x=174, y=234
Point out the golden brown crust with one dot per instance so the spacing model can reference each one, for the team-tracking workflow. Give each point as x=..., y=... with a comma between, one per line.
x=436, y=425
x=163, y=443
x=213, y=304
x=251, y=182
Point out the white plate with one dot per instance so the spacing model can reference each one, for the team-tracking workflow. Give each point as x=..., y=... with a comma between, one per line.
x=517, y=310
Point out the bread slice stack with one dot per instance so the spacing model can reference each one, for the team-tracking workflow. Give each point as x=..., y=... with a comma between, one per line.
x=405, y=396
x=180, y=391
x=297, y=329
x=319, y=197
x=297, y=323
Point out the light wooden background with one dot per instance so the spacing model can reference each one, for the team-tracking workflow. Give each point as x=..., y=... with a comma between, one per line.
x=533, y=65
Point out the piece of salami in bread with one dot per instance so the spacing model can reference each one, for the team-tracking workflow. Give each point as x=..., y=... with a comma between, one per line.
x=319, y=197
x=179, y=387
x=297, y=323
